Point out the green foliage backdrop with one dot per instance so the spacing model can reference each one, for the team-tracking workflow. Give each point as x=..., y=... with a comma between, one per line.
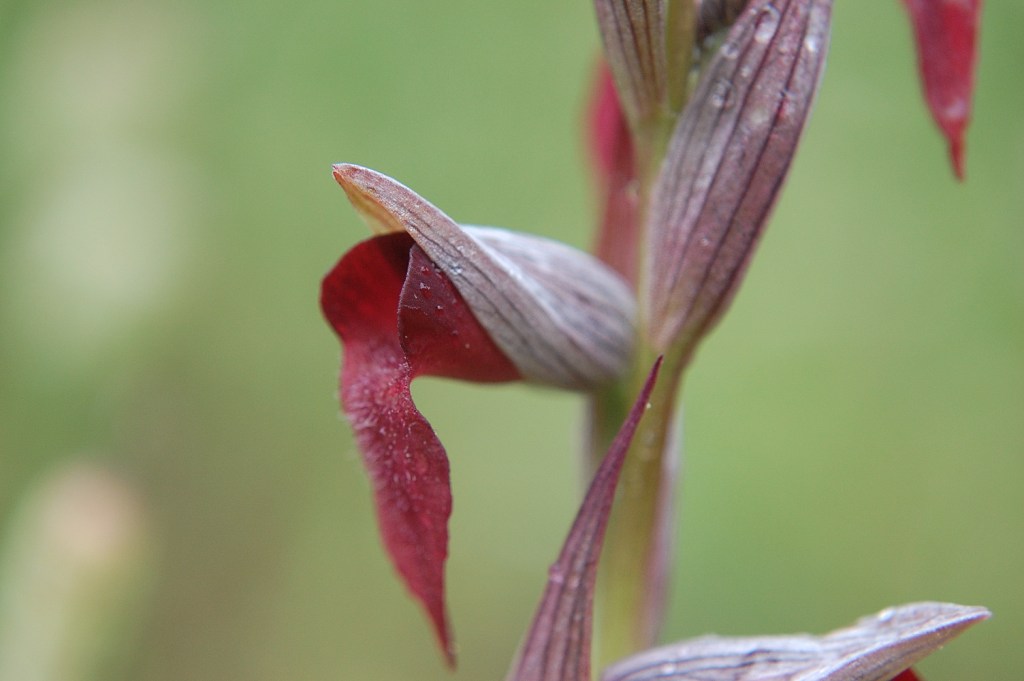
x=854, y=428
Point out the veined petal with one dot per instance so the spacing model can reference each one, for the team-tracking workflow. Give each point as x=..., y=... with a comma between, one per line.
x=557, y=646
x=876, y=648
x=398, y=317
x=633, y=33
x=946, y=34
x=561, y=316
x=726, y=162
x=648, y=45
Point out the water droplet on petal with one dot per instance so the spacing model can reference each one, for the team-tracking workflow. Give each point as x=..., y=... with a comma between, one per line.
x=555, y=575
x=767, y=24
x=721, y=93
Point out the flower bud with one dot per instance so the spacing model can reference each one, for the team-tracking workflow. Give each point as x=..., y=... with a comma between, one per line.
x=648, y=44
x=726, y=162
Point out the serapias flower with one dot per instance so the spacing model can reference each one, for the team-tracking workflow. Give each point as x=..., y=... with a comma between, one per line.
x=557, y=647
x=428, y=297
x=945, y=32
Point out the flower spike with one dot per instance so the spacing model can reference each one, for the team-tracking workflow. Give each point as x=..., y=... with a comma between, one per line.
x=726, y=163
x=946, y=35
x=427, y=297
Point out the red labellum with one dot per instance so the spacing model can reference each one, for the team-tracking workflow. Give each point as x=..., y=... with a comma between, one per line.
x=398, y=318
x=946, y=35
x=609, y=132
x=611, y=146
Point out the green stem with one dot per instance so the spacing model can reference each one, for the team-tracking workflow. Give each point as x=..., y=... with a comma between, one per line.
x=632, y=579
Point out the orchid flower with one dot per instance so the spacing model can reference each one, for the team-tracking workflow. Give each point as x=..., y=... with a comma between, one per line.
x=428, y=297
x=699, y=110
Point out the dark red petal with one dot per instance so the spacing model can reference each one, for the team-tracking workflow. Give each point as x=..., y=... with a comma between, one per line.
x=438, y=332
x=607, y=124
x=361, y=298
x=557, y=647
x=946, y=35
x=612, y=148
x=906, y=675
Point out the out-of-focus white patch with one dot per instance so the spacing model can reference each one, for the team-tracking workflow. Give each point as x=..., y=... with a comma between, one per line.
x=97, y=252
x=75, y=566
x=84, y=77
x=102, y=220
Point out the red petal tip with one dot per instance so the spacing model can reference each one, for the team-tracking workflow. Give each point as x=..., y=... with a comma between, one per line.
x=344, y=172
x=945, y=33
x=956, y=155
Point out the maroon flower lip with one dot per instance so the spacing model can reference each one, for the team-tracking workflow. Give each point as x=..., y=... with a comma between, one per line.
x=399, y=317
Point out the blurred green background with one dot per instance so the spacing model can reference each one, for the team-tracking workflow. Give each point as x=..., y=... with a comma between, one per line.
x=854, y=428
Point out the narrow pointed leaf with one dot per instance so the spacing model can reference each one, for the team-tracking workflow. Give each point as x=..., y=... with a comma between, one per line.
x=876, y=648
x=726, y=162
x=560, y=315
x=557, y=646
x=399, y=317
x=946, y=35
